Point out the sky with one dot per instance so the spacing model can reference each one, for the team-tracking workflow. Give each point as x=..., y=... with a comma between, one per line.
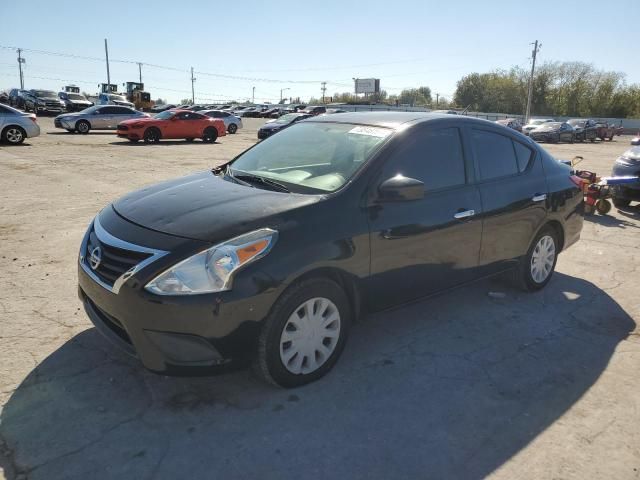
x=290, y=47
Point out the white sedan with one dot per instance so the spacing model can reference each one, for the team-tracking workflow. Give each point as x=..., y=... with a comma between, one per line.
x=16, y=125
x=232, y=122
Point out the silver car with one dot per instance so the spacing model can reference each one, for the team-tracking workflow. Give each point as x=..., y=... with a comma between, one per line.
x=232, y=122
x=98, y=117
x=16, y=125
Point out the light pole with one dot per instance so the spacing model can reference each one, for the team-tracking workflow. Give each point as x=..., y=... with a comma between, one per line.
x=282, y=90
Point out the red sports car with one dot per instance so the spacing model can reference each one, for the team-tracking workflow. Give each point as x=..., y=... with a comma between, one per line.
x=172, y=124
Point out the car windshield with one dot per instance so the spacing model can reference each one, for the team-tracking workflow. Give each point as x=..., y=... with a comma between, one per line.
x=119, y=98
x=551, y=125
x=44, y=93
x=166, y=115
x=312, y=157
x=75, y=96
x=577, y=123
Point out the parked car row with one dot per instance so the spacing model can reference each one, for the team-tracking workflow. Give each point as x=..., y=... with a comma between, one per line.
x=574, y=130
x=45, y=101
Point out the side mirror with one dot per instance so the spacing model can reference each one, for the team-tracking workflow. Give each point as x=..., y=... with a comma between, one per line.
x=400, y=189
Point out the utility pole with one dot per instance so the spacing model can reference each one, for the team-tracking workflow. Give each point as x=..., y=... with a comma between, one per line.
x=20, y=62
x=437, y=99
x=140, y=70
x=193, y=91
x=324, y=89
x=253, y=95
x=536, y=48
x=282, y=90
x=106, y=54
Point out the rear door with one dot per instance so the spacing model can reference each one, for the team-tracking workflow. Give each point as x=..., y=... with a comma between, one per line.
x=422, y=246
x=513, y=189
x=3, y=114
x=100, y=118
x=120, y=114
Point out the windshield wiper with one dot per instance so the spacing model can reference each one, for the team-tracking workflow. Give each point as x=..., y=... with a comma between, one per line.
x=248, y=177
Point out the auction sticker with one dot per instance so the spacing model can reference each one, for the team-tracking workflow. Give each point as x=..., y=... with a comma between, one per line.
x=371, y=131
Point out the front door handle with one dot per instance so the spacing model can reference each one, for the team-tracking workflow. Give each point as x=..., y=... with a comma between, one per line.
x=464, y=214
x=539, y=197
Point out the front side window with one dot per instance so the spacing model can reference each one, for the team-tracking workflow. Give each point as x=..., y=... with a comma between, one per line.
x=312, y=157
x=495, y=154
x=434, y=157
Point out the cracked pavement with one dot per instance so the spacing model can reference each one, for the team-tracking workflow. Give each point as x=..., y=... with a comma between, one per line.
x=461, y=385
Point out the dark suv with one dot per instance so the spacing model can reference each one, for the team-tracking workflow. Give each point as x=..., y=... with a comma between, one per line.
x=43, y=101
x=315, y=110
x=270, y=257
x=16, y=97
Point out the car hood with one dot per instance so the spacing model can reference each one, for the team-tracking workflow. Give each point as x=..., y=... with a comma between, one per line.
x=48, y=99
x=81, y=102
x=129, y=121
x=273, y=126
x=206, y=207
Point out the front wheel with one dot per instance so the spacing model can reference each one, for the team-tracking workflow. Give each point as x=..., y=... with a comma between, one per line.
x=83, y=127
x=537, y=266
x=151, y=135
x=305, y=333
x=621, y=202
x=210, y=135
x=603, y=206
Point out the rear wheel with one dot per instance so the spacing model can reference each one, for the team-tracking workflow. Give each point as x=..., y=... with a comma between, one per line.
x=83, y=126
x=210, y=135
x=151, y=135
x=305, y=333
x=537, y=266
x=233, y=128
x=14, y=135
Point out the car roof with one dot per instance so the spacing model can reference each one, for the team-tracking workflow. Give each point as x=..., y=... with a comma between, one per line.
x=394, y=120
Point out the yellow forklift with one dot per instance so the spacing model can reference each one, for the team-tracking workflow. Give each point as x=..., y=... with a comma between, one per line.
x=137, y=96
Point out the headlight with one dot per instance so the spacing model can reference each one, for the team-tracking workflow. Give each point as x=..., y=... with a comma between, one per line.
x=212, y=270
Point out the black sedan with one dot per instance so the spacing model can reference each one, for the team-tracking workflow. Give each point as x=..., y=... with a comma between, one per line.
x=284, y=121
x=271, y=257
x=553, y=132
x=627, y=165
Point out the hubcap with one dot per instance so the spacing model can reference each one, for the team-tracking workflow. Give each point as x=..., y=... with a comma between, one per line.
x=542, y=259
x=83, y=127
x=14, y=135
x=310, y=336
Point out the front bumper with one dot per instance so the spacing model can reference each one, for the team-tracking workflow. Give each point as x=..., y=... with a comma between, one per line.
x=174, y=335
x=629, y=191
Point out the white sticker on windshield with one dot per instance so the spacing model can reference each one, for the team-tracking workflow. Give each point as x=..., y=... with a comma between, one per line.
x=371, y=131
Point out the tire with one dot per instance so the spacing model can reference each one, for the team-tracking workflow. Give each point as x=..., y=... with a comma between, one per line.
x=620, y=202
x=275, y=362
x=151, y=135
x=603, y=206
x=537, y=266
x=572, y=139
x=83, y=127
x=611, y=138
x=14, y=135
x=233, y=128
x=210, y=135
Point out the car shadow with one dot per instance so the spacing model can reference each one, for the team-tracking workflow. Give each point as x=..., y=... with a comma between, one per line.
x=92, y=132
x=449, y=387
x=127, y=143
x=611, y=221
x=13, y=145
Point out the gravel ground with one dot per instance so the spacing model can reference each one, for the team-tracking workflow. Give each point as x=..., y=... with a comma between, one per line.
x=463, y=385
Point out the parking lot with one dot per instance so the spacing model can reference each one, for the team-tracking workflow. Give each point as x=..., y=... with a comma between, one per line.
x=482, y=381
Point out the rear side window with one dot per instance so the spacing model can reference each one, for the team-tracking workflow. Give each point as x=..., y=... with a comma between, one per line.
x=434, y=157
x=495, y=153
x=524, y=155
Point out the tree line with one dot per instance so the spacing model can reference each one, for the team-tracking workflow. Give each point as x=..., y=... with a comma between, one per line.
x=573, y=89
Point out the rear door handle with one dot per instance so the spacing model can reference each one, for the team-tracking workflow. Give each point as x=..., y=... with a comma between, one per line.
x=464, y=214
x=539, y=197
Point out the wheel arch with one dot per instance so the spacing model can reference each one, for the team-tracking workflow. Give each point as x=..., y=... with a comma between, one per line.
x=348, y=282
x=558, y=228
